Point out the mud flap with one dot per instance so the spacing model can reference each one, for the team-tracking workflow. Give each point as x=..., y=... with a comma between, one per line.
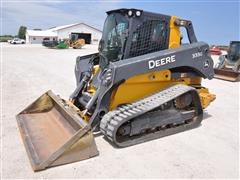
x=227, y=75
x=53, y=133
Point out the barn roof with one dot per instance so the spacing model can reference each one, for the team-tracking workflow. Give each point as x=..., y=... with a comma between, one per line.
x=71, y=25
x=46, y=33
x=52, y=32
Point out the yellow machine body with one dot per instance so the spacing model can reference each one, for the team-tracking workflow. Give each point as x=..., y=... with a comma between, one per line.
x=143, y=85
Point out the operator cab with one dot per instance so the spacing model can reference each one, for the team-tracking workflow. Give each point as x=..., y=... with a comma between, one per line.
x=132, y=32
x=234, y=51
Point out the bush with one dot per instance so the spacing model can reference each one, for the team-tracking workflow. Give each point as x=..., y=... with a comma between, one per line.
x=5, y=38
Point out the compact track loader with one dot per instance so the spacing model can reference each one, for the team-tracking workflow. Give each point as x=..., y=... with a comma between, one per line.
x=141, y=85
x=228, y=67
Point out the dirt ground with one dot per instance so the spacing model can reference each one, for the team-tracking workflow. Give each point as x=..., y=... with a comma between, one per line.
x=209, y=151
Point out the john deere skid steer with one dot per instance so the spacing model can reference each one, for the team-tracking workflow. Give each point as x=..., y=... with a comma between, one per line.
x=141, y=85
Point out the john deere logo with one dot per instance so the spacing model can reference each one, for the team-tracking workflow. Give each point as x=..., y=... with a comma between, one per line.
x=160, y=62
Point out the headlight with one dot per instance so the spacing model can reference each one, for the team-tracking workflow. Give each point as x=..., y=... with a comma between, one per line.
x=138, y=13
x=130, y=13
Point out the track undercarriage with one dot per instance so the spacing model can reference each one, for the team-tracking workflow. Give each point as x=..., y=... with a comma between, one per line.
x=172, y=110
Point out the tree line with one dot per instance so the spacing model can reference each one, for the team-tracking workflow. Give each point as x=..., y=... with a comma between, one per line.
x=21, y=34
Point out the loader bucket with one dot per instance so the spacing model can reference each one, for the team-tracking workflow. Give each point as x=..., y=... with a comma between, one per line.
x=227, y=75
x=53, y=133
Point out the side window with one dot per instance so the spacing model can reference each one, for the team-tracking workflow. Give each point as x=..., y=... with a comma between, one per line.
x=159, y=32
x=151, y=36
x=121, y=28
x=113, y=35
x=135, y=37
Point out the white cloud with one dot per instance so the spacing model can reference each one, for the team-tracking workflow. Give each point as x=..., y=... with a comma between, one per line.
x=47, y=14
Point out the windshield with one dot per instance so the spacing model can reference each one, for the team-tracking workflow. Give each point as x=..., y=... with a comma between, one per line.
x=234, y=52
x=114, y=35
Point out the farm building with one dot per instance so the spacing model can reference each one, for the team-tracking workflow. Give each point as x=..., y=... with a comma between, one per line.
x=90, y=34
x=37, y=36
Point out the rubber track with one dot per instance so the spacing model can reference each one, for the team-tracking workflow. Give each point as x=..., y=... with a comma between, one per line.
x=114, y=119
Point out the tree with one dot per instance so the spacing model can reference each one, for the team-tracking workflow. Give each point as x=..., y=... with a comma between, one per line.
x=22, y=32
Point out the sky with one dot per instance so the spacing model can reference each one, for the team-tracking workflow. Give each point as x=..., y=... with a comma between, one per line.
x=215, y=22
